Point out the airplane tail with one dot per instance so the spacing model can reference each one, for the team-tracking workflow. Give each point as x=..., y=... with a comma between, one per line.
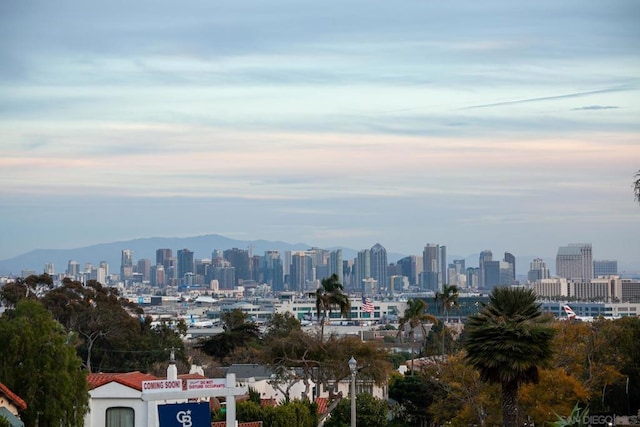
x=570, y=313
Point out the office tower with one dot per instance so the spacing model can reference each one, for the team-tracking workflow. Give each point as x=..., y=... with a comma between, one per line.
x=485, y=256
x=301, y=271
x=472, y=277
x=163, y=256
x=497, y=273
x=537, y=271
x=48, y=269
x=157, y=275
x=575, y=262
x=509, y=258
x=98, y=274
x=226, y=277
x=434, y=267
x=144, y=268
x=318, y=256
x=239, y=259
x=73, y=269
x=363, y=267
x=398, y=283
x=336, y=265
x=411, y=267
x=378, y=265
x=105, y=266
x=185, y=264
x=126, y=264
x=605, y=268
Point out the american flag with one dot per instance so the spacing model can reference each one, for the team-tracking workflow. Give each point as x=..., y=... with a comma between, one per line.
x=367, y=306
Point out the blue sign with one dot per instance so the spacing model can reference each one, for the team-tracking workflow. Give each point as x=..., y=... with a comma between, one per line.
x=185, y=415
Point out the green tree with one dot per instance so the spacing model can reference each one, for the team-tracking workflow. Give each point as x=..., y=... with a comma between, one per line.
x=415, y=315
x=41, y=367
x=447, y=300
x=31, y=287
x=507, y=341
x=238, y=331
x=370, y=412
x=330, y=296
x=414, y=394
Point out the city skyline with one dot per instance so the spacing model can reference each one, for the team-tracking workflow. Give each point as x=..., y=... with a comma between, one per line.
x=503, y=126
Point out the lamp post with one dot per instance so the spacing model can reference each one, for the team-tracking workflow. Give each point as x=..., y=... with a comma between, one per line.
x=353, y=367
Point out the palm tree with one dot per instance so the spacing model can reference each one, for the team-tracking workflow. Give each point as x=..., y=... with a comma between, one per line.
x=507, y=341
x=415, y=315
x=448, y=299
x=329, y=296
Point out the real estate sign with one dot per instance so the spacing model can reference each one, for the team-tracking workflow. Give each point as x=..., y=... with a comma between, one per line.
x=184, y=415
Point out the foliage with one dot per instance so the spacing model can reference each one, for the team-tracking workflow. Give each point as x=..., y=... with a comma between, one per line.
x=414, y=394
x=575, y=419
x=302, y=356
x=440, y=340
x=448, y=300
x=32, y=287
x=291, y=414
x=110, y=329
x=330, y=296
x=507, y=341
x=238, y=332
x=4, y=422
x=38, y=363
x=415, y=315
x=370, y=412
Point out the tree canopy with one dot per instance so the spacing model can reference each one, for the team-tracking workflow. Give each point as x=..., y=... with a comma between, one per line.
x=42, y=367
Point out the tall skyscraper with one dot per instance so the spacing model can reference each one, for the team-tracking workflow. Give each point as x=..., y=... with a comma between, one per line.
x=335, y=265
x=144, y=267
x=239, y=259
x=509, y=258
x=301, y=271
x=163, y=256
x=126, y=264
x=363, y=267
x=379, y=265
x=49, y=269
x=434, y=271
x=185, y=264
x=411, y=267
x=575, y=262
x=73, y=268
x=485, y=256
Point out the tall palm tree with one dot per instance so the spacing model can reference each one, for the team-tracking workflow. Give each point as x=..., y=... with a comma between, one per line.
x=507, y=341
x=448, y=299
x=329, y=296
x=415, y=315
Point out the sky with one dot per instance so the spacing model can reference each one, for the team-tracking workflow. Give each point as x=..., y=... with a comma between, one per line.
x=510, y=126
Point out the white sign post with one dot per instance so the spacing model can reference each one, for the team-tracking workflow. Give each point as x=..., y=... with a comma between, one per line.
x=205, y=387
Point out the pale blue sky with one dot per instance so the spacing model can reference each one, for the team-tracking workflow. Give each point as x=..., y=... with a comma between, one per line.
x=479, y=125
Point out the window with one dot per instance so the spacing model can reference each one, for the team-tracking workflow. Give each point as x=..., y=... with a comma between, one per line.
x=120, y=417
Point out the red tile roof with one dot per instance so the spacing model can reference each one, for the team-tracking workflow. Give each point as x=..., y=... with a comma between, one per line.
x=268, y=402
x=13, y=397
x=130, y=379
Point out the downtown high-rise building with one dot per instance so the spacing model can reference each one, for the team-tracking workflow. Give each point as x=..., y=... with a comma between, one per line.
x=378, y=265
x=163, y=257
x=186, y=264
x=239, y=259
x=336, y=266
x=575, y=261
x=605, y=268
x=538, y=271
x=362, y=267
x=301, y=271
x=434, y=267
x=485, y=257
x=126, y=264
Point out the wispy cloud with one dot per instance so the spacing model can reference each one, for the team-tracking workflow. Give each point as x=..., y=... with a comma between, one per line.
x=597, y=107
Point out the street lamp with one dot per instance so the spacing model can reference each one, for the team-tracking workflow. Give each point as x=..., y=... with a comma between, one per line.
x=353, y=367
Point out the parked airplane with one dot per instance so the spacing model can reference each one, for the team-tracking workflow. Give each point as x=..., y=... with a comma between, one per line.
x=571, y=315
